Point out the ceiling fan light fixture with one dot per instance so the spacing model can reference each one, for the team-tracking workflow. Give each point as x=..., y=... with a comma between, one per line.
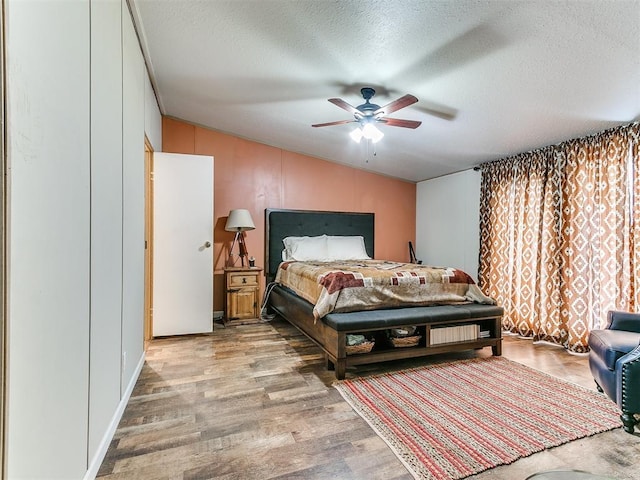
x=356, y=135
x=370, y=132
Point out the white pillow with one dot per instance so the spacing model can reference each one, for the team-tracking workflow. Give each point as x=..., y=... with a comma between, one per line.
x=346, y=248
x=306, y=248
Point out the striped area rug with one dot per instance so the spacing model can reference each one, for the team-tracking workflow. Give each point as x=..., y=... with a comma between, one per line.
x=449, y=421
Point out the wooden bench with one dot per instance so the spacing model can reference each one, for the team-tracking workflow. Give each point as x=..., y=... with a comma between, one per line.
x=330, y=333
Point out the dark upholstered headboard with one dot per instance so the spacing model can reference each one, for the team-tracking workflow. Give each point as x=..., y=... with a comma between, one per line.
x=297, y=223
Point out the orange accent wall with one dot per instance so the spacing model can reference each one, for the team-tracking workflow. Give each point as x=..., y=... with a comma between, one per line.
x=255, y=176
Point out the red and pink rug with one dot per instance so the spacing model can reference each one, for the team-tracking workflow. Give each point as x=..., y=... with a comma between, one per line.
x=449, y=421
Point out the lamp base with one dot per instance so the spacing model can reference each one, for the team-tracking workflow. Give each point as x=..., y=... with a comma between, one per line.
x=239, y=239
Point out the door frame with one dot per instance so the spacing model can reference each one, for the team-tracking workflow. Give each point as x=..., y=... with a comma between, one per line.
x=3, y=244
x=148, y=242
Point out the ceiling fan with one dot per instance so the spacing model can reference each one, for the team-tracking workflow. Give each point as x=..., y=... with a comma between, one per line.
x=369, y=113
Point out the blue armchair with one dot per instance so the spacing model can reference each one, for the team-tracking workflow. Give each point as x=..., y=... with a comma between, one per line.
x=614, y=360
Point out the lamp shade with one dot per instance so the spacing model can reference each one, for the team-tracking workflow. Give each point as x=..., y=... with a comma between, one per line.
x=356, y=135
x=239, y=221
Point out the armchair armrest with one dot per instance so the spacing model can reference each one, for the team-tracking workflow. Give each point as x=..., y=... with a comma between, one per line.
x=627, y=321
x=628, y=377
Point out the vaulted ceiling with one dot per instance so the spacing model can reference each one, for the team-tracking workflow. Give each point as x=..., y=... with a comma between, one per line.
x=493, y=78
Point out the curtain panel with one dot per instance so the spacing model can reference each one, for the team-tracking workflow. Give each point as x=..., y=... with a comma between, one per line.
x=559, y=238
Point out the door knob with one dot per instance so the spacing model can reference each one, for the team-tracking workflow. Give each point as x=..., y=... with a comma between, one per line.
x=207, y=244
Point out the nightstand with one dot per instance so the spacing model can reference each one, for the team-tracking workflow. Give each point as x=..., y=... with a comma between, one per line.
x=242, y=288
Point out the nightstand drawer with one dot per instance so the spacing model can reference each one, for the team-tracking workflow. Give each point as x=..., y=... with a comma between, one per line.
x=243, y=279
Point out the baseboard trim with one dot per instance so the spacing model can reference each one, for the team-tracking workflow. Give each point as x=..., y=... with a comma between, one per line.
x=96, y=461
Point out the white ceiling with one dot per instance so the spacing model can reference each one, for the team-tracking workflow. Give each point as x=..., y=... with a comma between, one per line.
x=507, y=76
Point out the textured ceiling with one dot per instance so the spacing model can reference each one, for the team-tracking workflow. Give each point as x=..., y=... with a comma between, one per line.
x=493, y=78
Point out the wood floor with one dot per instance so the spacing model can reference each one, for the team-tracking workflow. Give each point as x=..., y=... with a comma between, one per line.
x=255, y=402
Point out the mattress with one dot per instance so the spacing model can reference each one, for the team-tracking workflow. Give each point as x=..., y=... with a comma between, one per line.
x=360, y=285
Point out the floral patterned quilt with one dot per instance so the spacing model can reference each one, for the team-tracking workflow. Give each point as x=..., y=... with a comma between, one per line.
x=349, y=286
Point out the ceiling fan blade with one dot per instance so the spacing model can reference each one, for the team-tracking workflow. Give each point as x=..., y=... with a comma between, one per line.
x=338, y=102
x=397, y=105
x=397, y=122
x=339, y=122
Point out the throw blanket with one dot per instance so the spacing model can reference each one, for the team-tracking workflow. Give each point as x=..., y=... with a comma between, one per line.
x=349, y=286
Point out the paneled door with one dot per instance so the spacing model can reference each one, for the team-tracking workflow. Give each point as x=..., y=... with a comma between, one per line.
x=182, y=244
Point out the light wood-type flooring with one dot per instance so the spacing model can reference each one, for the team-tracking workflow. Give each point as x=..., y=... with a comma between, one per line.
x=256, y=402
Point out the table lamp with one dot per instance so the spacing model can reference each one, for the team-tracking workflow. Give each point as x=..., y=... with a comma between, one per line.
x=239, y=221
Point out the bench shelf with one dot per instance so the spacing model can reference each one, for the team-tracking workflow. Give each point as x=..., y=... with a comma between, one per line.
x=383, y=352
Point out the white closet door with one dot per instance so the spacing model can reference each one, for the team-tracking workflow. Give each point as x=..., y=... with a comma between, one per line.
x=182, y=244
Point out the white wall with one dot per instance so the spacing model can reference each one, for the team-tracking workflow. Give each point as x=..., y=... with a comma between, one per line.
x=152, y=116
x=76, y=116
x=447, y=221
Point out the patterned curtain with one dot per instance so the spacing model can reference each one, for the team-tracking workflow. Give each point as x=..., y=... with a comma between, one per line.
x=634, y=280
x=557, y=236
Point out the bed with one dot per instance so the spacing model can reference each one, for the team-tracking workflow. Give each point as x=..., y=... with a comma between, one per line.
x=437, y=324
